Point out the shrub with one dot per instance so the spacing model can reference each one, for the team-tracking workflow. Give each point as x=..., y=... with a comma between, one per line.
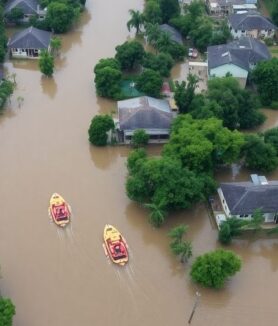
x=99, y=127
x=140, y=138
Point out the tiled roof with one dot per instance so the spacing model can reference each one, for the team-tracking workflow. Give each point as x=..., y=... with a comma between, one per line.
x=250, y=21
x=245, y=197
x=144, y=113
x=244, y=53
x=28, y=7
x=30, y=38
x=175, y=35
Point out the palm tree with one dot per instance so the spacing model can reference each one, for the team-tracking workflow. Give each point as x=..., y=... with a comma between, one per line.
x=152, y=33
x=135, y=21
x=178, y=232
x=182, y=249
x=157, y=214
x=163, y=42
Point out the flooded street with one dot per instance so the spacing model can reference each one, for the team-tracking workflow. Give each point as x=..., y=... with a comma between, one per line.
x=61, y=277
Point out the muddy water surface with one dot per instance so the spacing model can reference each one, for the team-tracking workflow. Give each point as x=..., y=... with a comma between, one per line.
x=61, y=277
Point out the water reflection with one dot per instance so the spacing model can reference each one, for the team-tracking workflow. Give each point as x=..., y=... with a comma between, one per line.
x=49, y=86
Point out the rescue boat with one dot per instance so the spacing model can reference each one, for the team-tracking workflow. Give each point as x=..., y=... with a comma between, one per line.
x=115, y=245
x=59, y=210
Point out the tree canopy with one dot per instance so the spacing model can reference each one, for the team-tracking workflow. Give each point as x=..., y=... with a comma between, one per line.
x=162, y=63
x=265, y=76
x=201, y=145
x=149, y=82
x=140, y=138
x=46, y=63
x=169, y=9
x=7, y=311
x=184, y=93
x=60, y=16
x=214, y=268
x=136, y=20
x=129, y=54
x=99, y=127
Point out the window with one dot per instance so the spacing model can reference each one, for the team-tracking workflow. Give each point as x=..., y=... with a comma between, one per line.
x=223, y=201
x=243, y=31
x=246, y=215
x=235, y=30
x=241, y=216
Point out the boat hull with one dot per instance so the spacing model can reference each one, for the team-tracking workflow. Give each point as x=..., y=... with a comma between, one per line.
x=115, y=245
x=59, y=210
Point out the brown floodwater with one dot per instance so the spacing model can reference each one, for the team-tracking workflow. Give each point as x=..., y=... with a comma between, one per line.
x=61, y=277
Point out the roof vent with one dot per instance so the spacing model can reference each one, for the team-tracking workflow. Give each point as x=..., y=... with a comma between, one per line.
x=225, y=54
x=263, y=180
x=242, y=47
x=255, y=179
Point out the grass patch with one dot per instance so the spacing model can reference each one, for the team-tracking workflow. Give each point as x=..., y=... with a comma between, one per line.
x=274, y=51
x=268, y=4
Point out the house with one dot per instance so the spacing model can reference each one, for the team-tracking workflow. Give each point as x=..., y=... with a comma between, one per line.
x=174, y=34
x=237, y=58
x=29, y=9
x=28, y=43
x=251, y=24
x=244, y=8
x=148, y=113
x=225, y=7
x=240, y=199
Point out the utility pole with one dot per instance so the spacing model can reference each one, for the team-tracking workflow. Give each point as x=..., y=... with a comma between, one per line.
x=198, y=295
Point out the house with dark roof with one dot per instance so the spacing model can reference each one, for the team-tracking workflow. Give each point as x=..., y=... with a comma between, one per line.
x=28, y=44
x=240, y=199
x=226, y=7
x=237, y=58
x=251, y=24
x=153, y=115
x=174, y=34
x=29, y=9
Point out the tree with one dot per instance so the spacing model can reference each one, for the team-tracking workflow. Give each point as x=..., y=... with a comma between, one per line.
x=3, y=38
x=256, y=221
x=271, y=137
x=135, y=159
x=60, y=16
x=135, y=21
x=157, y=214
x=221, y=34
x=149, y=82
x=152, y=12
x=214, y=268
x=202, y=34
x=152, y=32
x=230, y=228
x=274, y=13
x=161, y=63
x=129, y=54
x=259, y=155
x=140, y=138
x=107, y=81
x=6, y=90
x=107, y=62
x=15, y=15
x=169, y=9
x=46, y=63
x=185, y=92
x=7, y=311
x=99, y=127
x=265, y=75
x=55, y=44
x=178, y=246
x=201, y=145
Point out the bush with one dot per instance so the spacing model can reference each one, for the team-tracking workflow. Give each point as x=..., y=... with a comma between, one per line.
x=99, y=127
x=269, y=41
x=214, y=268
x=274, y=105
x=140, y=138
x=7, y=311
x=46, y=63
x=150, y=83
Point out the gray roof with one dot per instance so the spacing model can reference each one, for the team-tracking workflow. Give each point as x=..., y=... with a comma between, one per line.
x=250, y=21
x=29, y=7
x=144, y=113
x=30, y=38
x=245, y=52
x=175, y=35
x=245, y=197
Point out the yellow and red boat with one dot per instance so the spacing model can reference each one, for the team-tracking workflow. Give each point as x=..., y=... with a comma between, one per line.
x=59, y=210
x=115, y=245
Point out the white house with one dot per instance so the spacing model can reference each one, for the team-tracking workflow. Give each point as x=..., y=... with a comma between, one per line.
x=240, y=199
x=226, y=7
x=28, y=43
x=251, y=24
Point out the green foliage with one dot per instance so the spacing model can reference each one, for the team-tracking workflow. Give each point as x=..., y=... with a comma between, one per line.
x=60, y=16
x=163, y=182
x=271, y=137
x=230, y=228
x=257, y=220
x=3, y=38
x=259, y=155
x=265, y=75
x=152, y=33
x=6, y=90
x=202, y=33
x=129, y=54
x=157, y=214
x=161, y=63
x=152, y=12
x=46, y=63
x=140, y=138
x=169, y=9
x=221, y=34
x=150, y=83
x=232, y=104
x=135, y=159
x=99, y=127
x=7, y=311
x=55, y=44
x=178, y=246
x=185, y=92
x=107, y=78
x=15, y=15
x=136, y=20
x=201, y=145
x=274, y=13
x=214, y=268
